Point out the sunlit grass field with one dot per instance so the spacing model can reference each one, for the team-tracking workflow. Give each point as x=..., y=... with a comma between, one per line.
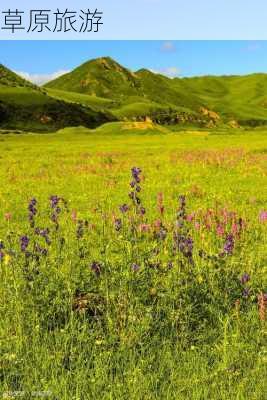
x=162, y=299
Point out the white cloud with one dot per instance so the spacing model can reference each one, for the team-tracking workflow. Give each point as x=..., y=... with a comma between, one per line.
x=168, y=47
x=170, y=72
x=41, y=79
x=253, y=46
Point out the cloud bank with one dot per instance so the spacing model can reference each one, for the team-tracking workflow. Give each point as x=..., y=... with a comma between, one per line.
x=170, y=72
x=41, y=79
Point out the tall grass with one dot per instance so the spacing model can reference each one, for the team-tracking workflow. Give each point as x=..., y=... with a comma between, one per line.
x=152, y=287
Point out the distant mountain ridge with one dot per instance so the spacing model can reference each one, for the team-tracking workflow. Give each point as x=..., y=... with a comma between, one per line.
x=242, y=99
x=102, y=90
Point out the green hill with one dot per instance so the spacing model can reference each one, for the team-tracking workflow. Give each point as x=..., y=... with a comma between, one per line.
x=24, y=106
x=102, y=90
x=243, y=98
x=105, y=78
x=102, y=77
x=207, y=100
x=10, y=79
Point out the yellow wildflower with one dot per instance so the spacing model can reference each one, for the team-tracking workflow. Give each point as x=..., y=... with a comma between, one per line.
x=7, y=259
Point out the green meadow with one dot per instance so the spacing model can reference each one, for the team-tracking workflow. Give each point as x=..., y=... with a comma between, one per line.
x=163, y=299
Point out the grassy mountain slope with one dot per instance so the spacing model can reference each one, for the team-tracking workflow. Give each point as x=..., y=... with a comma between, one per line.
x=239, y=98
x=102, y=77
x=97, y=103
x=10, y=79
x=25, y=106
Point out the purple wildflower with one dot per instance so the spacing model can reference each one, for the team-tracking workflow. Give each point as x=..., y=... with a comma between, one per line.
x=32, y=211
x=229, y=245
x=40, y=250
x=161, y=233
x=142, y=210
x=246, y=292
x=244, y=278
x=24, y=243
x=118, y=224
x=134, y=184
x=96, y=267
x=135, y=174
x=184, y=244
x=181, y=214
x=1, y=255
x=2, y=246
x=54, y=200
x=135, y=267
x=124, y=208
x=43, y=233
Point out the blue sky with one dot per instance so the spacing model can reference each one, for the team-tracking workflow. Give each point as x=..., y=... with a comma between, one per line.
x=43, y=60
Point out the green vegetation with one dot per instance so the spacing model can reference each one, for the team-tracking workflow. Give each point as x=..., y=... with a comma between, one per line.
x=133, y=240
x=97, y=103
x=166, y=303
x=10, y=79
x=203, y=101
x=101, y=90
x=24, y=106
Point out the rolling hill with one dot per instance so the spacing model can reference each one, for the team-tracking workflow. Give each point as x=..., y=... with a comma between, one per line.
x=105, y=78
x=207, y=100
x=24, y=106
x=102, y=90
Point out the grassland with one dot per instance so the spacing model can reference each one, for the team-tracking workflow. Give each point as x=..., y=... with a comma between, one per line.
x=107, y=307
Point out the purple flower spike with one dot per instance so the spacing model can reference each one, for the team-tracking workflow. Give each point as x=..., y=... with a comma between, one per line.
x=124, y=208
x=54, y=200
x=32, y=211
x=244, y=278
x=184, y=244
x=118, y=224
x=229, y=245
x=181, y=214
x=24, y=243
x=135, y=173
